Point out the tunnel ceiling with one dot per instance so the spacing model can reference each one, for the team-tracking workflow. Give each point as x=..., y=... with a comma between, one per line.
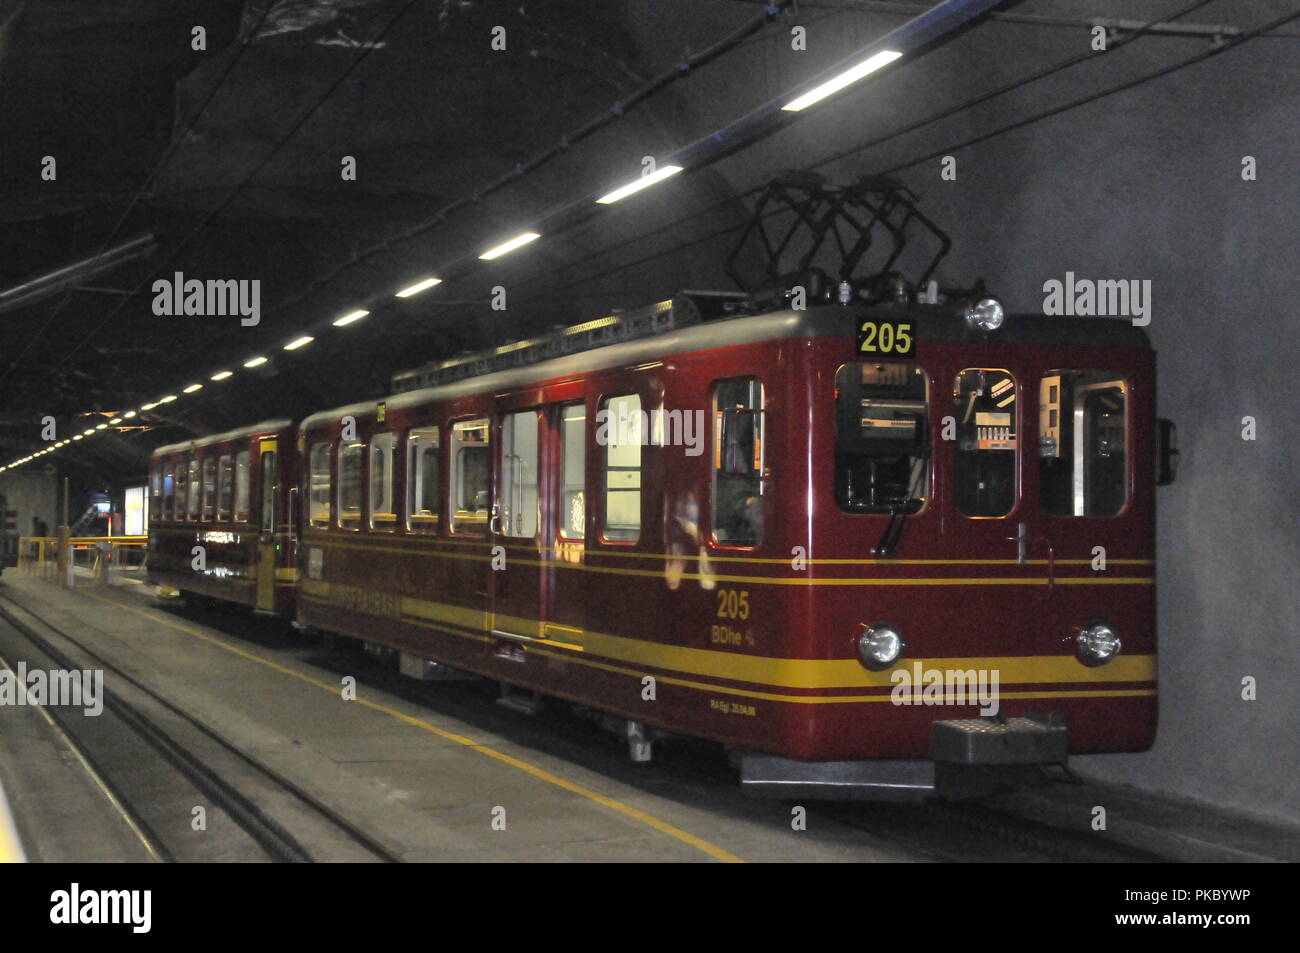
x=226, y=163
x=231, y=157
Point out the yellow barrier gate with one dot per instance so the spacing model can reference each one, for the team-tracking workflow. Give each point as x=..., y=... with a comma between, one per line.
x=98, y=560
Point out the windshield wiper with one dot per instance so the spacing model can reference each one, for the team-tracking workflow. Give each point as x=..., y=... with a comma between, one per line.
x=894, y=528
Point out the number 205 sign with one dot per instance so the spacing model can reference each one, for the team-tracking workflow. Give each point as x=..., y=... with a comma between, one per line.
x=894, y=338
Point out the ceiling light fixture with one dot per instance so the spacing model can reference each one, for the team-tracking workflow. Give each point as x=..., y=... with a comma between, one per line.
x=516, y=242
x=419, y=286
x=642, y=183
x=849, y=76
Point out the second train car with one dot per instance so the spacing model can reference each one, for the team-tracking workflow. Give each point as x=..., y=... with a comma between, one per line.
x=220, y=513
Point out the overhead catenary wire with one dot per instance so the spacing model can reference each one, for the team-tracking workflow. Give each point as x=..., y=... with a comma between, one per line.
x=1196, y=4
x=1214, y=51
x=1019, y=124
x=892, y=134
x=1093, y=97
x=1089, y=55
x=679, y=71
x=616, y=111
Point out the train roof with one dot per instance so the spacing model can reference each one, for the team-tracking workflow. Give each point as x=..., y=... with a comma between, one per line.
x=510, y=367
x=266, y=426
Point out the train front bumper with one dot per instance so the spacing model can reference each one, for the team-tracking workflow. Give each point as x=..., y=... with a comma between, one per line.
x=969, y=757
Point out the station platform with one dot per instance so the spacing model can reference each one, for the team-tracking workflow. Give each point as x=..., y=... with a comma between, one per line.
x=426, y=784
x=416, y=771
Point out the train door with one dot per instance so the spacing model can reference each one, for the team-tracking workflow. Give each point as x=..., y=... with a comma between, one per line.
x=539, y=519
x=515, y=527
x=985, y=495
x=268, y=513
x=1094, y=508
x=993, y=546
x=1037, y=483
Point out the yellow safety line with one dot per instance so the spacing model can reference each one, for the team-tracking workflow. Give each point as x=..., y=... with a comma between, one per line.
x=11, y=847
x=714, y=851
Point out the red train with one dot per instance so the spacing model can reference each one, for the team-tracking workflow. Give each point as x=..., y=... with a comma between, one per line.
x=878, y=550
x=219, y=517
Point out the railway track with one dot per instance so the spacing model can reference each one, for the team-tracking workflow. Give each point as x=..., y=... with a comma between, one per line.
x=156, y=762
x=973, y=831
x=938, y=831
x=267, y=816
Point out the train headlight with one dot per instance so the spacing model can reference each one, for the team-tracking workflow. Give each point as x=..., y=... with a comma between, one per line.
x=880, y=645
x=1096, y=644
x=985, y=315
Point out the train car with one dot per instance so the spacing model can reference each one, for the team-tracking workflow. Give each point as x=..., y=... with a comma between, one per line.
x=875, y=550
x=220, y=517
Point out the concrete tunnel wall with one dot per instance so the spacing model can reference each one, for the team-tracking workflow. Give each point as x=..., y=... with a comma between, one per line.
x=1145, y=184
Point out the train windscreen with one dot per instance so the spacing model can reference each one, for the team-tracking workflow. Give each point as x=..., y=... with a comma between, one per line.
x=1083, y=442
x=984, y=462
x=882, y=438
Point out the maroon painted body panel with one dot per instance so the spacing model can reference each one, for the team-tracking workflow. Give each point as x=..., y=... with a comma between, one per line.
x=755, y=647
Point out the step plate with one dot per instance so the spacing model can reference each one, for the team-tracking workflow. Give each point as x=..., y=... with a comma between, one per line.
x=988, y=741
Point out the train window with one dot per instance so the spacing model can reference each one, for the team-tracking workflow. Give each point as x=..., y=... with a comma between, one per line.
x=194, y=491
x=350, y=484
x=519, y=474
x=168, y=492
x=620, y=429
x=882, y=438
x=155, y=493
x=269, y=486
x=738, y=461
x=318, y=499
x=984, y=477
x=241, y=486
x=470, y=464
x=225, y=487
x=573, y=467
x=383, y=506
x=422, y=480
x=182, y=485
x=209, y=488
x=1082, y=443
